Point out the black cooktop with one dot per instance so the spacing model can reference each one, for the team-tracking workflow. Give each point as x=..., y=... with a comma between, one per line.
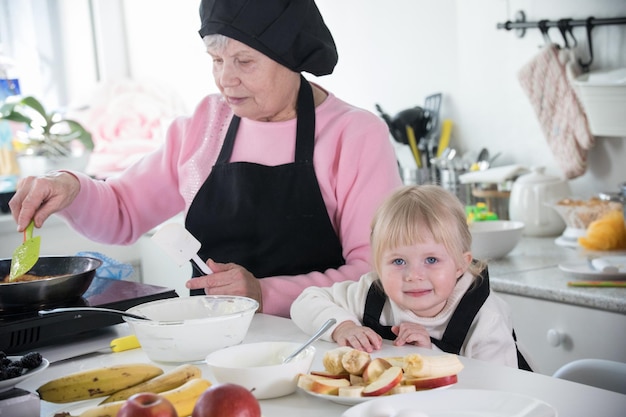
x=21, y=331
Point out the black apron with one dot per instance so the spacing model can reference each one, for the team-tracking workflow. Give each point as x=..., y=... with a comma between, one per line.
x=458, y=326
x=272, y=220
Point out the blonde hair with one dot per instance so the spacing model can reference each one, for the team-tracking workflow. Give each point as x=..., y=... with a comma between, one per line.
x=412, y=210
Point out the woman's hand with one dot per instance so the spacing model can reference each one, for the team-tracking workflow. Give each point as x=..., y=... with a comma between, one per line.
x=228, y=279
x=358, y=337
x=37, y=198
x=411, y=333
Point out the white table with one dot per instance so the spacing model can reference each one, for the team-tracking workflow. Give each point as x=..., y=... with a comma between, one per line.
x=570, y=399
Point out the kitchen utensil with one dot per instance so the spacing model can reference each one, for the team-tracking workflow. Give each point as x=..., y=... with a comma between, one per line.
x=259, y=368
x=180, y=245
x=120, y=344
x=186, y=329
x=62, y=310
x=530, y=200
x=597, y=283
x=410, y=133
x=70, y=276
x=444, y=138
x=414, y=117
x=317, y=335
x=26, y=255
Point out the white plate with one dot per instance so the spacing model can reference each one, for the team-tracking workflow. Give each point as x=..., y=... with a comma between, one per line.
x=358, y=400
x=454, y=402
x=584, y=269
x=76, y=409
x=7, y=384
x=566, y=242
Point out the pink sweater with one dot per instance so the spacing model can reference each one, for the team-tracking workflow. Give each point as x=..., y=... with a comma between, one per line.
x=354, y=161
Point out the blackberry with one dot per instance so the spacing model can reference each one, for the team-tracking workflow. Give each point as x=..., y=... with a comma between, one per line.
x=5, y=362
x=14, y=371
x=31, y=360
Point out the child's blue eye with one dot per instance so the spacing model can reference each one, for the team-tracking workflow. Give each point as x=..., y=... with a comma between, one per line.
x=431, y=260
x=398, y=261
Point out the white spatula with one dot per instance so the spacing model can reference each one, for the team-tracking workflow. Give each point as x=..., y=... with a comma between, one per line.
x=181, y=245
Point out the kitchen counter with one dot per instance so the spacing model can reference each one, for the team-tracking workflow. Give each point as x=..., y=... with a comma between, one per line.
x=531, y=270
x=568, y=398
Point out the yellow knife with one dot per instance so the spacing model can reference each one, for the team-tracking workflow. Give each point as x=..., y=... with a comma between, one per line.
x=124, y=343
x=410, y=133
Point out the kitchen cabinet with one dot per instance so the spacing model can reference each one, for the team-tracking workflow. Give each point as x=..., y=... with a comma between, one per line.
x=555, y=333
x=556, y=323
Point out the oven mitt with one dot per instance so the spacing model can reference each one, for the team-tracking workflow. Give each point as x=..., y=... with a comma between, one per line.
x=562, y=119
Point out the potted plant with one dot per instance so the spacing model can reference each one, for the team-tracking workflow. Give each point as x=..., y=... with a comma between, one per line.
x=50, y=140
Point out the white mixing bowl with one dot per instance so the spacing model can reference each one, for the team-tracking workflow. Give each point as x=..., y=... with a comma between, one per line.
x=187, y=329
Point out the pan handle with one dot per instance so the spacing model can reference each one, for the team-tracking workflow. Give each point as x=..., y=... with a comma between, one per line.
x=91, y=309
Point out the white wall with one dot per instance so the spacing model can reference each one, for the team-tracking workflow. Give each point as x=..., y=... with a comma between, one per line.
x=397, y=52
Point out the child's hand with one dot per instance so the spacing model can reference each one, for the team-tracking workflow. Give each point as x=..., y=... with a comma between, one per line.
x=358, y=337
x=413, y=334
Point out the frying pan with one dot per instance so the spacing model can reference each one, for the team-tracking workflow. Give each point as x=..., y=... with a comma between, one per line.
x=72, y=275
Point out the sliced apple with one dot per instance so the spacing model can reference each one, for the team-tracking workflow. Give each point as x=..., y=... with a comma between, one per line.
x=384, y=383
x=326, y=374
x=305, y=381
x=351, y=391
x=402, y=389
x=430, y=383
x=328, y=386
x=374, y=369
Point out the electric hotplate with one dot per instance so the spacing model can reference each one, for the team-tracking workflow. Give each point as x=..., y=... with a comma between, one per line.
x=21, y=331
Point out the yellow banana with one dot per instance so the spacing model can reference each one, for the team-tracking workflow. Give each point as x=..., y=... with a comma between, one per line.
x=418, y=366
x=182, y=398
x=98, y=382
x=167, y=381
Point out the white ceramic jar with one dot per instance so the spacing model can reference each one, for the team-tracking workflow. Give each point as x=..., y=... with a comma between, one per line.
x=530, y=202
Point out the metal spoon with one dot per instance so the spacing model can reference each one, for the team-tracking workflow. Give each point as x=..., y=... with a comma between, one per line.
x=91, y=309
x=313, y=338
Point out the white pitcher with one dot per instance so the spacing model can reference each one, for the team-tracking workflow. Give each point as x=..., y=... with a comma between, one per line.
x=530, y=202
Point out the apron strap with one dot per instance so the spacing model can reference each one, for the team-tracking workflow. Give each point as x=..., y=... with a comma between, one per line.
x=229, y=141
x=463, y=315
x=305, y=130
x=374, y=304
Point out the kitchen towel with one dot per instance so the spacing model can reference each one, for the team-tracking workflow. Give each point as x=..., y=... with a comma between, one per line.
x=546, y=82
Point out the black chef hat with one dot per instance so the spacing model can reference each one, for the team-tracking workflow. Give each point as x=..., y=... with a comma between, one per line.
x=291, y=32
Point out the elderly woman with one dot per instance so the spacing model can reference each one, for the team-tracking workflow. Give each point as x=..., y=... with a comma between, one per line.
x=277, y=178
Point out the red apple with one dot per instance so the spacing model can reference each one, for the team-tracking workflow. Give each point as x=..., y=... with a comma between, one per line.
x=384, y=383
x=147, y=404
x=430, y=383
x=374, y=369
x=228, y=399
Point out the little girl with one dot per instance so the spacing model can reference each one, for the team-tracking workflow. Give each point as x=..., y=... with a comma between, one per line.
x=425, y=289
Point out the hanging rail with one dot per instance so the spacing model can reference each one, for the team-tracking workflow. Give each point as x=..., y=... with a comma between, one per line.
x=521, y=24
x=565, y=27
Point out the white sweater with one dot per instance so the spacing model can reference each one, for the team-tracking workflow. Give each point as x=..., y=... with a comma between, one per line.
x=489, y=337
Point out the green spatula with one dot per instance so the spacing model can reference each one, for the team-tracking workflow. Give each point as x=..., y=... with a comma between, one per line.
x=26, y=255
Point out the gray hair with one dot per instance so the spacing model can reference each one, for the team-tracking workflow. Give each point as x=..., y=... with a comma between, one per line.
x=215, y=41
